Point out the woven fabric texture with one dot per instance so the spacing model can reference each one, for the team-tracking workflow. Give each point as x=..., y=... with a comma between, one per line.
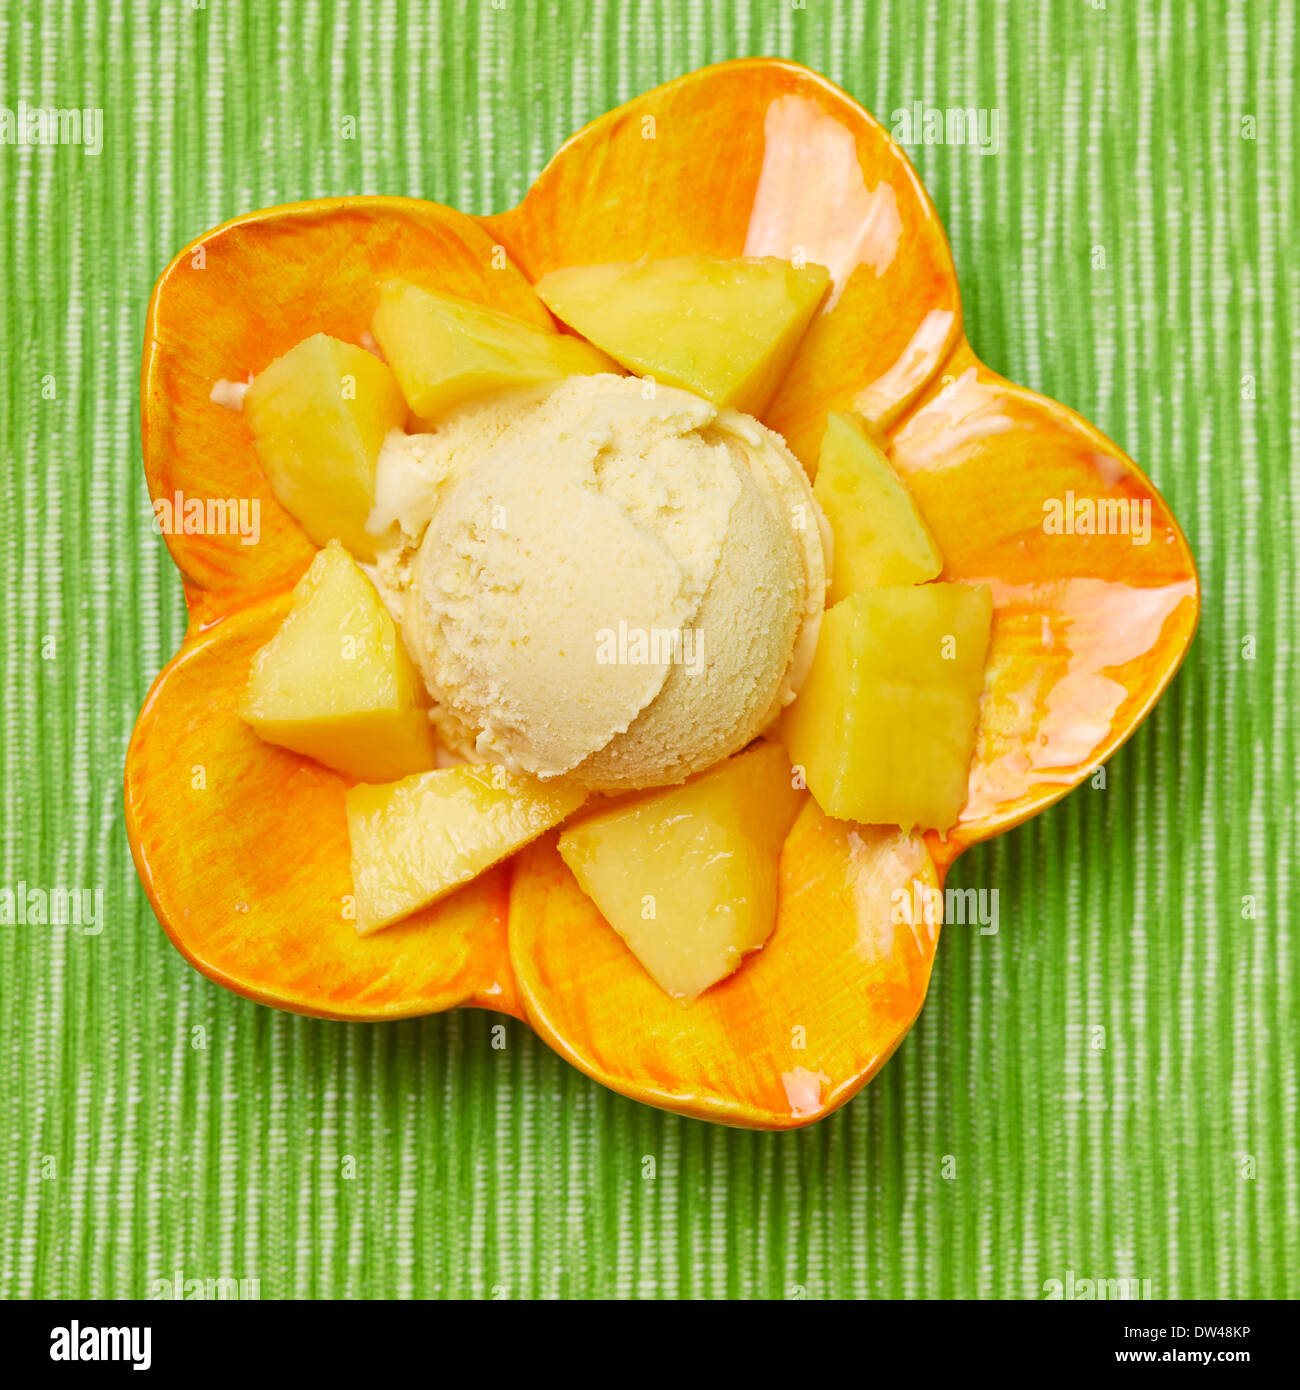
x=1105, y=1088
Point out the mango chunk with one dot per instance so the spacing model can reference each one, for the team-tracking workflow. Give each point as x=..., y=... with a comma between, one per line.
x=724, y=329
x=446, y=350
x=688, y=876
x=335, y=681
x=880, y=535
x=417, y=840
x=319, y=415
x=884, y=726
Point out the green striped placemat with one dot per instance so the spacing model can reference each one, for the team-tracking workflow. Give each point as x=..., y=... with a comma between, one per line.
x=1105, y=1088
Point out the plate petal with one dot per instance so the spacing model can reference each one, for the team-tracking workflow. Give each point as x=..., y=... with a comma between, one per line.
x=788, y=1038
x=1095, y=591
x=242, y=295
x=243, y=850
x=764, y=157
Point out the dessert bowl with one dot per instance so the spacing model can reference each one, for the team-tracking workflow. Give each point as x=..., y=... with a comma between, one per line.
x=243, y=847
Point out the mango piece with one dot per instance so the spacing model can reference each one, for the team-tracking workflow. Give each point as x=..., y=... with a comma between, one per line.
x=335, y=681
x=724, y=329
x=880, y=535
x=884, y=726
x=417, y=840
x=688, y=876
x=319, y=415
x=446, y=350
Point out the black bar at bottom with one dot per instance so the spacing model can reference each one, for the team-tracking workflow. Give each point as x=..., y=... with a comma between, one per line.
x=383, y=1340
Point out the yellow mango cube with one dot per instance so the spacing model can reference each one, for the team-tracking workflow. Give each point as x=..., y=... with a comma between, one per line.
x=445, y=350
x=688, y=876
x=319, y=415
x=335, y=682
x=884, y=725
x=417, y=840
x=724, y=329
x=880, y=535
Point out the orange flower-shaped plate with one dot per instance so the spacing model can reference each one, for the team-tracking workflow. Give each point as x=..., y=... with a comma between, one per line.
x=242, y=847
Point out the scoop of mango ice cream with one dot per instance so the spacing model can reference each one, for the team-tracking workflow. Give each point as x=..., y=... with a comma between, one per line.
x=604, y=580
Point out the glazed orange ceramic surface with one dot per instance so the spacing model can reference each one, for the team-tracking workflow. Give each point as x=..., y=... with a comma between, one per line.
x=764, y=158
x=1088, y=628
x=241, y=296
x=788, y=1038
x=756, y=157
x=243, y=849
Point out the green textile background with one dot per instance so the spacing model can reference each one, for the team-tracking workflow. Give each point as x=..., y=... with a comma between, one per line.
x=1129, y=249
